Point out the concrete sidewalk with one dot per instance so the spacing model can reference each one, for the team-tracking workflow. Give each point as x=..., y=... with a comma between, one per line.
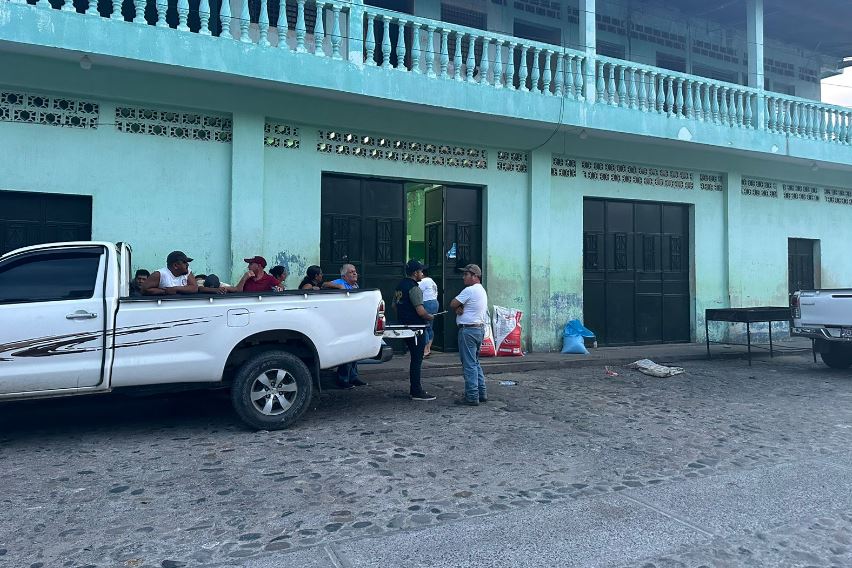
x=442, y=364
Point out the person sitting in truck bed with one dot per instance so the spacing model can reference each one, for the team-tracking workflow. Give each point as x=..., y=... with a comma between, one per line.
x=257, y=279
x=348, y=279
x=138, y=279
x=175, y=278
x=312, y=280
x=212, y=285
x=280, y=273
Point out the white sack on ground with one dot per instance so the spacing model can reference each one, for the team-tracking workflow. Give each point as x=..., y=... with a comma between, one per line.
x=653, y=369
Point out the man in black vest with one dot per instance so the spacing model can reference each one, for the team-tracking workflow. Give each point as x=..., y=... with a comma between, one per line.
x=408, y=301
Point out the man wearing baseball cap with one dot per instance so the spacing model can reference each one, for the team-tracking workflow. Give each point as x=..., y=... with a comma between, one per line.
x=471, y=307
x=174, y=278
x=257, y=279
x=408, y=301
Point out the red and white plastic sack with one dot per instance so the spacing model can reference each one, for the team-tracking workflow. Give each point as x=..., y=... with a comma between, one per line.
x=507, y=332
x=488, y=349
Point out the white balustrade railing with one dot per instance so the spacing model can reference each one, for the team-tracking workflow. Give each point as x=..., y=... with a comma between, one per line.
x=314, y=26
x=439, y=50
x=812, y=120
x=653, y=89
x=267, y=23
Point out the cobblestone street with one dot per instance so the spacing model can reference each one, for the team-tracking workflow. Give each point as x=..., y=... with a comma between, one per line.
x=726, y=465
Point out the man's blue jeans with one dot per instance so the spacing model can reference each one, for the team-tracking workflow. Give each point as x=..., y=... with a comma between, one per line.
x=470, y=340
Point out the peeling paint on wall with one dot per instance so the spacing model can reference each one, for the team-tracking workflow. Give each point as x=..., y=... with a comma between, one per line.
x=551, y=315
x=295, y=264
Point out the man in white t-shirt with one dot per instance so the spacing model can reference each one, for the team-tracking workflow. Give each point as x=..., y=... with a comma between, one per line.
x=174, y=278
x=471, y=307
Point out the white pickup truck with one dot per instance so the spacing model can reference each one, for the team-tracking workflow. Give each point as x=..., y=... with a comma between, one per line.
x=69, y=327
x=826, y=317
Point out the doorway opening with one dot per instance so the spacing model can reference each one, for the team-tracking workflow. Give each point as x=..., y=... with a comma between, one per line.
x=802, y=264
x=379, y=224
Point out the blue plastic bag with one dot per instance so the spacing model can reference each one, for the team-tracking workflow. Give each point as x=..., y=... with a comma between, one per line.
x=578, y=328
x=574, y=344
x=572, y=338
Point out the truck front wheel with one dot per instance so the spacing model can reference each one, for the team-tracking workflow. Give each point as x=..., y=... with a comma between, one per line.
x=837, y=356
x=272, y=390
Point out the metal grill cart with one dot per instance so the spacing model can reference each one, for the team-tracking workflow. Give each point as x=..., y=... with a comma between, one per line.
x=747, y=316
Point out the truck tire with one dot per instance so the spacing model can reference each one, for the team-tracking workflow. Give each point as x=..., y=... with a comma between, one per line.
x=838, y=356
x=272, y=390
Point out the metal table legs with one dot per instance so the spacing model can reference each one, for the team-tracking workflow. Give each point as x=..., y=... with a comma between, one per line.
x=770, y=340
x=748, y=340
x=707, y=335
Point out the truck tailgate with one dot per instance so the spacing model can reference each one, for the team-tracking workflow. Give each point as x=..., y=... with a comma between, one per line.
x=830, y=308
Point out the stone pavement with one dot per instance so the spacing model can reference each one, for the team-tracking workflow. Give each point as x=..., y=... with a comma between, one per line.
x=726, y=465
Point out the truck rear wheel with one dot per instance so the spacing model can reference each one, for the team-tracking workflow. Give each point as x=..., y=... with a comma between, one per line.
x=272, y=390
x=838, y=356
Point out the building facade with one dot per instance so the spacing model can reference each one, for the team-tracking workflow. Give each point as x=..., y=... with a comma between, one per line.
x=629, y=164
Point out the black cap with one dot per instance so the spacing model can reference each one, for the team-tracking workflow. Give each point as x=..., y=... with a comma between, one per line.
x=212, y=281
x=413, y=266
x=177, y=256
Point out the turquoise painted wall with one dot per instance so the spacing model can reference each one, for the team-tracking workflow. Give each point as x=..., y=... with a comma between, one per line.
x=291, y=213
x=739, y=243
x=223, y=201
x=708, y=223
x=159, y=194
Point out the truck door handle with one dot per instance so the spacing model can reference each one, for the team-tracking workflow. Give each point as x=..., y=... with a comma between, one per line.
x=81, y=315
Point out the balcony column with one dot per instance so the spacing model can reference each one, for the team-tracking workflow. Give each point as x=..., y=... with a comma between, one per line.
x=246, y=189
x=355, y=33
x=588, y=41
x=755, y=56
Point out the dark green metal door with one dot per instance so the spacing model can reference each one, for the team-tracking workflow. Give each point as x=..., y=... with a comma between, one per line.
x=35, y=218
x=636, y=271
x=363, y=223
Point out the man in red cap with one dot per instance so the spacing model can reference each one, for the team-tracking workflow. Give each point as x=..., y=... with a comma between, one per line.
x=257, y=279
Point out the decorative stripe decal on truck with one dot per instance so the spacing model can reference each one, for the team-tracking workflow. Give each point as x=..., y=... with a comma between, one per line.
x=70, y=344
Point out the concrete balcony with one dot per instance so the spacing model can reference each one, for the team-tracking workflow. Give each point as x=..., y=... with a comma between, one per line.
x=355, y=51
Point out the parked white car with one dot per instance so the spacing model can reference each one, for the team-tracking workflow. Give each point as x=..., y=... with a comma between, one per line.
x=71, y=328
x=826, y=317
